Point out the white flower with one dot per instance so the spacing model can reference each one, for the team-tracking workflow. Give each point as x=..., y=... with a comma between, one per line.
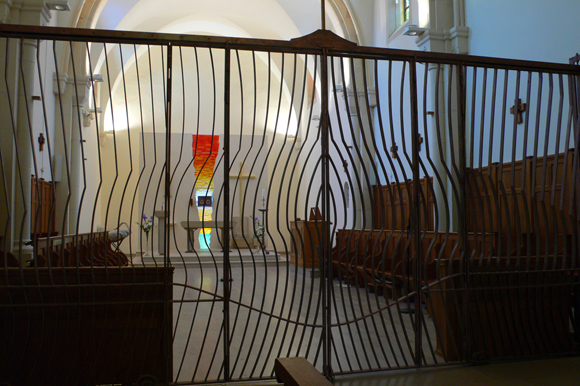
x=146, y=224
x=258, y=228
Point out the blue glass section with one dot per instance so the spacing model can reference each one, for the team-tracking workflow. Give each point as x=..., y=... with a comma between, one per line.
x=204, y=240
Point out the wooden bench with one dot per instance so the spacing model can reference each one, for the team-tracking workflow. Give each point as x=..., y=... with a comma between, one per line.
x=383, y=260
x=298, y=372
x=8, y=260
x=513, y=308
x=78, y=250
x=85, y=326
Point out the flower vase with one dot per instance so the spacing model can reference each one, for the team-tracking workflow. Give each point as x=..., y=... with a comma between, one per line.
x=146, y=254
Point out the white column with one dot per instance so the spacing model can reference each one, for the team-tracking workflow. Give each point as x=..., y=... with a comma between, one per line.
x=437, y=141
x=366, y=162
x=61, y=140
x=32, y=12
x=7, y=138
x=79, y=100
x=24, y=165
x=447, y=33
x=358, y=196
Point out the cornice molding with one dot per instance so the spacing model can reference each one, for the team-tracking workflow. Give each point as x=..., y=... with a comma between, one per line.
x=82, y=86
x=38, y=12
x=5, y=7
x=59, y=83
x=455, y=40
x=83, y=90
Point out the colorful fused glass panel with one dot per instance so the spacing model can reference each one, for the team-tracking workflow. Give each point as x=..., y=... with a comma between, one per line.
x=205, y=151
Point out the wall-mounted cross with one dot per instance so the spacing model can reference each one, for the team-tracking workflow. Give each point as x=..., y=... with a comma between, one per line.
x=345, y=165
x=518, y=109
x=41, y=142
x=394, y=149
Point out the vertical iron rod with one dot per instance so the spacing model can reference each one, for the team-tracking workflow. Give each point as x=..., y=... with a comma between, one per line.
x=416, y=209
x=168, y=301
x=461, y=127
x=226, y=232
x=323, y=13
x=326, y=277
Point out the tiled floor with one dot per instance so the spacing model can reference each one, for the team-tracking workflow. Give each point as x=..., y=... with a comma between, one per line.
x=198, y=326
x=548, y=372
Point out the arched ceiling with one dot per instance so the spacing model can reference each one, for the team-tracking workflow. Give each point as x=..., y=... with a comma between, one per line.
x=268, y=19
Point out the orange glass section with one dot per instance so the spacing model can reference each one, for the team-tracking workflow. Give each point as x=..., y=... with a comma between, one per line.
x=205, y=151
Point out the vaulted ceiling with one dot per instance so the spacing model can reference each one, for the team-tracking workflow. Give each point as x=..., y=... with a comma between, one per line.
x=267, y=19
x=271, y=19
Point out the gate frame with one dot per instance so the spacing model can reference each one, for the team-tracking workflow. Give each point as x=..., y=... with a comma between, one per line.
x=323, y=44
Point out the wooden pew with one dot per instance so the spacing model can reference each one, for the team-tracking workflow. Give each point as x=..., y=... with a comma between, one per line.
x=372, y=259
x=392, y=205
x=86, y=326
x=521, y=225
x=43, y=204
x=526, y=203
x=298, y=372
x=79, y=250
x=513, y=308
x=7, y=259
x=384, y=260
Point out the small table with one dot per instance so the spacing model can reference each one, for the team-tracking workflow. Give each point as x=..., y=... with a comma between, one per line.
x=192, y=226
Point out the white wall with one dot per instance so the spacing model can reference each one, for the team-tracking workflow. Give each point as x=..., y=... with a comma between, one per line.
x=44, y=111
x=363, y=15
x=532, y=29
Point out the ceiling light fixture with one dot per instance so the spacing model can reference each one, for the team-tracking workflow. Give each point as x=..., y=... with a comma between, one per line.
x=413, y=30
x=58, y=5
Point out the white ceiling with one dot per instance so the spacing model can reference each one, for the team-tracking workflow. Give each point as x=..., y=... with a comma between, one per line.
x=266, y=19
x=269, y=19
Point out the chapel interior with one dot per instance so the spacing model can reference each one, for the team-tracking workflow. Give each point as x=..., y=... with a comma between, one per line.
x=192, y=190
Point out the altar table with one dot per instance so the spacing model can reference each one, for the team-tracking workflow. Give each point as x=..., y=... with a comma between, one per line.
x=194, y=225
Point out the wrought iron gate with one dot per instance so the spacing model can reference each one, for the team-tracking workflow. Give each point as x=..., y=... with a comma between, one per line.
x=365, y=208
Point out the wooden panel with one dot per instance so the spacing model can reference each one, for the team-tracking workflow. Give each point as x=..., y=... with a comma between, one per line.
x=83, y=249
x=371, y=257
x=511, y=312
x=35, y=226
x=392, y=205
x=551, y=199
x=514, y=221
x=528, y=208
x=305, y=247
x=85, y=326
x=481, y=202
x=298, y=372
x=351, y=247
x=42, y=200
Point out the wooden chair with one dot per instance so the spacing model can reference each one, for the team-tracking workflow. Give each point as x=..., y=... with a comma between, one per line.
x=8, y=260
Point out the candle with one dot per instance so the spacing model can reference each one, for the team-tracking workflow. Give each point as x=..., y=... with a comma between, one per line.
x=263, y=194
